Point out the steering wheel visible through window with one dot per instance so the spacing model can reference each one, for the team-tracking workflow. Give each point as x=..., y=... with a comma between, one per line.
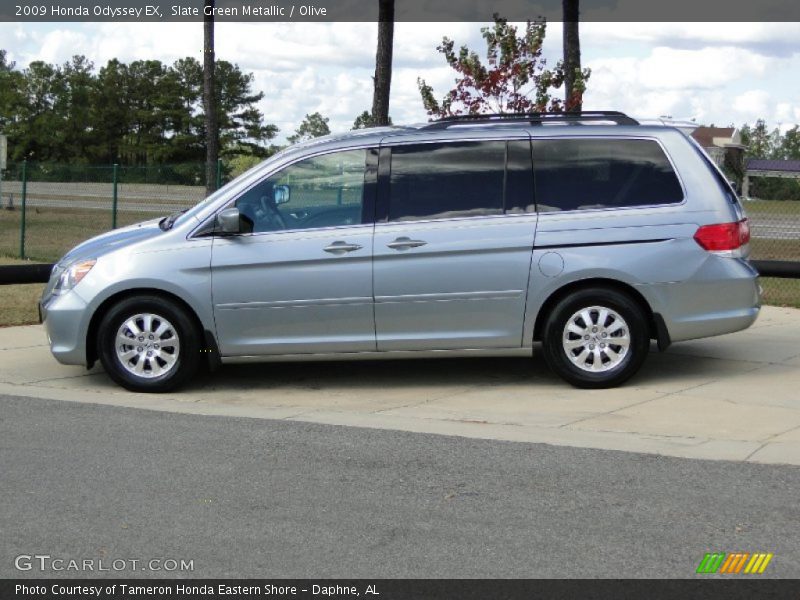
x=322, y=191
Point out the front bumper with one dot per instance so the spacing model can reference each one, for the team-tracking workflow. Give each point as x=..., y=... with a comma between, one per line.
x=65, y=320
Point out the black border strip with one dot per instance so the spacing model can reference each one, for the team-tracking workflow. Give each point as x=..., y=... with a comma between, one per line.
x=783, y=269
x=283, y=11
x=34, y=273
x=423, y=589
x=592, y=244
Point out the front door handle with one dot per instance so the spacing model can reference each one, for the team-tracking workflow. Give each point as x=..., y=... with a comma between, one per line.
x=404, y=243
x=342, y=248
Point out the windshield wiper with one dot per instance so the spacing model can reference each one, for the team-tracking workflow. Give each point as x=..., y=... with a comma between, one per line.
x=167, y=222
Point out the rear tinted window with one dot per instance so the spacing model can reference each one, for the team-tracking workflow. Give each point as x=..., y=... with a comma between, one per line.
x=439, y=181
x=461, y=179
x=573, y=174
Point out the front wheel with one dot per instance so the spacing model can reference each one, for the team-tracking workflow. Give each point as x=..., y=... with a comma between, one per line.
x=148, y=344
x=596, y=338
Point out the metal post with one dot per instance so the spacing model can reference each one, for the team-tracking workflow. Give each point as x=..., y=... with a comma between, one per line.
x=3, y=161
x=219, y=173
x=22, y=216
x=114, y=200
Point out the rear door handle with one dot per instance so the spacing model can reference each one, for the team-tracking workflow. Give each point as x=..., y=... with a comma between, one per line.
x=404, y=243
x=342, y=248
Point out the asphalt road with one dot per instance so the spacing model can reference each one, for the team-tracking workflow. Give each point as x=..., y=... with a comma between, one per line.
x=261, y=498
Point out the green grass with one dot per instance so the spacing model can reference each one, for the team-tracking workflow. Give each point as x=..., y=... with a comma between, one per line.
x=51, y=232
x=764, y=249
x=772, y=207
x=18, y=302
x=781, y=292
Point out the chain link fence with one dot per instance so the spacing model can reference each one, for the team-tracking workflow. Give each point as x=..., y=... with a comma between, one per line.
x=46, y=209
x=775, y=230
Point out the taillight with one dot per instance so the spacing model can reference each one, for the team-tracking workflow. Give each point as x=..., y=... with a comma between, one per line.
x=724, y=238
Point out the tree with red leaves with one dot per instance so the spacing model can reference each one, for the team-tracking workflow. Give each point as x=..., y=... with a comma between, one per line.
x=515, y=80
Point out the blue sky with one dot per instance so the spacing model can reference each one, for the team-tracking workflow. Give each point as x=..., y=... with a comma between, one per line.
x=718, y=73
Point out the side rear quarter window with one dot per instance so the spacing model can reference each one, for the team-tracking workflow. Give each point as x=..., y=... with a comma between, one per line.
x=586, y=174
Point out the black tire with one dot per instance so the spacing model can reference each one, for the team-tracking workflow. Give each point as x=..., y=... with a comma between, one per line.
x=555, y=338
x=177, y=371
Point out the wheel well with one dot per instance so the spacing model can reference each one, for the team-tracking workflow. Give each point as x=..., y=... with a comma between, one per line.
x=91, y=336
x=619, y=286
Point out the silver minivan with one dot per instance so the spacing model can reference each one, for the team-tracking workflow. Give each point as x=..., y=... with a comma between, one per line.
x=475, y=236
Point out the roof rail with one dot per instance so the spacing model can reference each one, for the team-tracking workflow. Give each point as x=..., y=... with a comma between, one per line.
x=534, y=118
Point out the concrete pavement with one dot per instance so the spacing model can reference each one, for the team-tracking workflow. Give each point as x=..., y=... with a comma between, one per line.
x=730, y=398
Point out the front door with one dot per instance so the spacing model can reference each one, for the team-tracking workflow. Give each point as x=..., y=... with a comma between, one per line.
x=301, y=281
x=453, y=250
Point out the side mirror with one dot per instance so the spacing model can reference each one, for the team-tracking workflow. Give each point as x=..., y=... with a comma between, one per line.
x=281, y=194
x=229, y=222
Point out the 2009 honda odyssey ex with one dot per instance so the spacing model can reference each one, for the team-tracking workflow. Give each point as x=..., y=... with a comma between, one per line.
x=589, y=232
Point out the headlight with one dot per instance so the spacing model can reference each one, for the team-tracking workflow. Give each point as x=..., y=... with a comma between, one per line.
x=72, y=275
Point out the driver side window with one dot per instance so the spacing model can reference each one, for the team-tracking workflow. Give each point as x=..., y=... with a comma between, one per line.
x=323, y=191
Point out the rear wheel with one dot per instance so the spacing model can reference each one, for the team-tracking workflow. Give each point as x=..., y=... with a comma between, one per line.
x=596, y=338
x=148, y=344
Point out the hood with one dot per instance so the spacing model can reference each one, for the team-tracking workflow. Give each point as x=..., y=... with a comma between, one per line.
x=112, y=240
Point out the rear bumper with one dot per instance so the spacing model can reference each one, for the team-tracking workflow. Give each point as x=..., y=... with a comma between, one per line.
x=710, y=325
x=64, y=318
x=723, y=296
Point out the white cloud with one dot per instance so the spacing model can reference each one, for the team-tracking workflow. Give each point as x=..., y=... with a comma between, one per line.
x=687, y=83
x=415, y=43
x=289, y=46
x=61, y=43
x=753, y=102
x=767, y=38
x=715, y=72
x=100, y=42
x=668, y=68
